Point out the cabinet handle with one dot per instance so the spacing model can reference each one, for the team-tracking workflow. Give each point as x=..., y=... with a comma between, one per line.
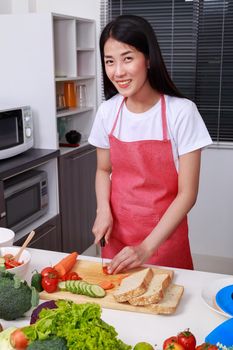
x=3, y=214
x=80, y=155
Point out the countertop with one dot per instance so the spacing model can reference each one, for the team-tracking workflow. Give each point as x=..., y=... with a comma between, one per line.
x=25, y=160
x=133, y=327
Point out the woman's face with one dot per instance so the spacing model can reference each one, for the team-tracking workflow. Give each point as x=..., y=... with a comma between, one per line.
x=126, y=67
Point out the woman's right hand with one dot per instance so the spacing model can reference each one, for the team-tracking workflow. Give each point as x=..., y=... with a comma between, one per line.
x=102, y=225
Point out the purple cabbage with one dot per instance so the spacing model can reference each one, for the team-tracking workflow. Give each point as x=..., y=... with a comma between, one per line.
x=51, y=304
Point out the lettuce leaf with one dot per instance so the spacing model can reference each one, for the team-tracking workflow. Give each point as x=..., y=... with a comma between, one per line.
x=80, y=324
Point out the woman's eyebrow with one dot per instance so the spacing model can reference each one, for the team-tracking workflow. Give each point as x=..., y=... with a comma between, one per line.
x=122, y=54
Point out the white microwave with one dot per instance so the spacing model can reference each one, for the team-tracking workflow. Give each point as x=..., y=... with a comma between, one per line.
x=16, y=131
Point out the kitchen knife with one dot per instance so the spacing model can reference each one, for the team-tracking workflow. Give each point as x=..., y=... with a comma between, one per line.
x=102, y=244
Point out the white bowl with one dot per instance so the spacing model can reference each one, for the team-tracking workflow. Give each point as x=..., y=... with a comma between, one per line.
x=6, y=237
x=20, y=270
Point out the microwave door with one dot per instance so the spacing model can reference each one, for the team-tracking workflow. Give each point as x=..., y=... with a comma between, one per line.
x=11, y=129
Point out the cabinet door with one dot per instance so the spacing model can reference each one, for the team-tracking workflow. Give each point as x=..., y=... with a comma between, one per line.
x=48, y=236
x=77, y=199
x=2, y=206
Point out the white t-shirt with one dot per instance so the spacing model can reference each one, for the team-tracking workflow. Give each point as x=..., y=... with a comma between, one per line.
x=186, y=128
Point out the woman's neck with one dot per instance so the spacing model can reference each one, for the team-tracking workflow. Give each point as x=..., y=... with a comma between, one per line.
x=142, y=103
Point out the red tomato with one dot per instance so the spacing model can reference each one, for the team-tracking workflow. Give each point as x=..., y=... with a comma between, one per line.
x=18, y=340
x=105, y=270
x=71, y=276
x=169, y=341
x=187, y=339
x=49, y=272
x=206, y=346
x=49, y=284
x=174, y=346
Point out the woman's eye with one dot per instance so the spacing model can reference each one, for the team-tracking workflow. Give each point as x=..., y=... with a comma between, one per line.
x=108, y=62
x=128, y=59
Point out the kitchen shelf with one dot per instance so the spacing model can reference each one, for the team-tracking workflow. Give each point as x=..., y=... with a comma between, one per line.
x=76, y=78
x=72, y=111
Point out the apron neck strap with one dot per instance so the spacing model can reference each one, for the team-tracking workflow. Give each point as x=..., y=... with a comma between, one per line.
x=117, y=116
x=164, y=118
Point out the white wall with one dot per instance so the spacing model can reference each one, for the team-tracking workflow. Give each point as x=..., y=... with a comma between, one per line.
x=211, y=219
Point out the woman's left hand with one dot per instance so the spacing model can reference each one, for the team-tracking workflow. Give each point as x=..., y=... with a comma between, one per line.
x=128, y=258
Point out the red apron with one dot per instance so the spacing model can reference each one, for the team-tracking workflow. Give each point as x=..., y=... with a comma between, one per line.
x=144, y=183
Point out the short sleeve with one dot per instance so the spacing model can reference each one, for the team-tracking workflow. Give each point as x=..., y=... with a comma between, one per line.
x=190, y=130
x=99, y=135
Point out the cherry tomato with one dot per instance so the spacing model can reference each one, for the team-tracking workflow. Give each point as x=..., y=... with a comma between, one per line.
x=187, y=339
x=169, y=341
x=174, y=346
x=49, y=284
x=18, y=340
x=49, y=272
x=206, y=346
x=71, y=276
x=105, y=270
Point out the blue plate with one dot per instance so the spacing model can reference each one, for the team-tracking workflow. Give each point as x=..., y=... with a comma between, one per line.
x=222, y=334
x=224, y=299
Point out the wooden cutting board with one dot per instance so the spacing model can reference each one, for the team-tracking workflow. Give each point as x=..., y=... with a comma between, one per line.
x=91, y=272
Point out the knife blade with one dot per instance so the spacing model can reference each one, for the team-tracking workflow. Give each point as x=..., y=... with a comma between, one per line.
x=102, y=244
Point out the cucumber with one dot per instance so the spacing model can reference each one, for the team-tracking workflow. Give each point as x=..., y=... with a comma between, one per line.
x=83, y=288
x=98, y=291
x=62, y=285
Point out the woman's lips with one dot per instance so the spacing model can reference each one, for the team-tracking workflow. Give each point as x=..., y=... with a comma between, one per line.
x=123, y=83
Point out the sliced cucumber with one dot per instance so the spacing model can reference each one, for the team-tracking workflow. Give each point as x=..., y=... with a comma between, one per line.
x=62, y=285
x=82, y=287
x=98, y=291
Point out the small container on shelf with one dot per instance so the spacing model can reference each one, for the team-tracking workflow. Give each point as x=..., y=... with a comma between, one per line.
x=70, y=94
x=82, y=95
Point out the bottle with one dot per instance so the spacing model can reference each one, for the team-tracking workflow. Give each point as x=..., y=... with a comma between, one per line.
x=70, y=94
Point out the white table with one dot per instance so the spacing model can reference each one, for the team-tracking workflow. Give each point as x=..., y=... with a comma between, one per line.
x=133, y=327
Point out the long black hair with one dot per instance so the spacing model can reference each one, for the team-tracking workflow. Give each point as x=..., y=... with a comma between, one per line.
x=137, y=32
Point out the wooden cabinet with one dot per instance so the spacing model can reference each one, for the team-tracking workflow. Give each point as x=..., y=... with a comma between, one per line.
x=48, y=236
x=2, y=206
x=77, y=198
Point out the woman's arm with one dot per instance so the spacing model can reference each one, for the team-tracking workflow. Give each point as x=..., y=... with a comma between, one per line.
x=188, y=181
x=103, y=222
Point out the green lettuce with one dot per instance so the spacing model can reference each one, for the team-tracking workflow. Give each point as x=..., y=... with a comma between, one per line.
x=80, y=324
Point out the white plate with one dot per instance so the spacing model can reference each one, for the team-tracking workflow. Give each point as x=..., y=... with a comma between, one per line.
x=209, y=292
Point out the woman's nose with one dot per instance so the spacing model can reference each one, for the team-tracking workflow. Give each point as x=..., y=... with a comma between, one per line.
x=119, y=69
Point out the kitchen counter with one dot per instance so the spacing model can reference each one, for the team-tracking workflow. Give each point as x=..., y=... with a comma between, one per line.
x=133, y=327
x=26, y=160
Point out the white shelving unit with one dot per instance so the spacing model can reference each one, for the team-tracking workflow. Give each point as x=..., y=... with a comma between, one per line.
x=40, y=52
x=75, y=62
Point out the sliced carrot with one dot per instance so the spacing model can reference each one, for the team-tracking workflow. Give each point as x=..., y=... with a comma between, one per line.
x=66, y=264
x=106, y=285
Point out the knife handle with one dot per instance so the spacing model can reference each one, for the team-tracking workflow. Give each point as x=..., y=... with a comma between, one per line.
x=102, y=242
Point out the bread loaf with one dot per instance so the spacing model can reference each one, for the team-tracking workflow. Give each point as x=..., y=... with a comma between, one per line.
x=170, y=300
x=134, y=285
x=155, y=291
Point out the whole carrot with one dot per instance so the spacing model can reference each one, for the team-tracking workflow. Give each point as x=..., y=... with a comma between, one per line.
x=66, y=264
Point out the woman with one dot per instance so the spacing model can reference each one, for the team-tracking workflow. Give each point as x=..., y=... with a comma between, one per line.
x=149, y=139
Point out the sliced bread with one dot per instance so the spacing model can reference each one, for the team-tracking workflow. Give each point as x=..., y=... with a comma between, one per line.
x=155, y=291
x=169, y=302
x=134, y=285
